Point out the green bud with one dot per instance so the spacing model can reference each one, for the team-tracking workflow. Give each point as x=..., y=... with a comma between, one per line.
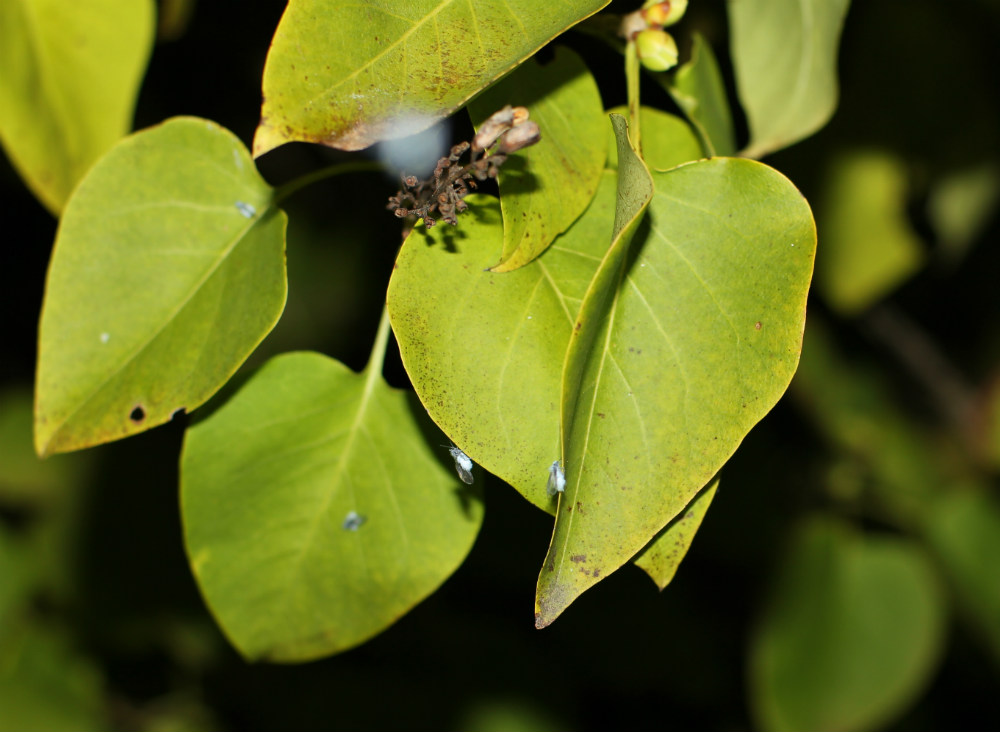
x=662, y=13
x=657, y=49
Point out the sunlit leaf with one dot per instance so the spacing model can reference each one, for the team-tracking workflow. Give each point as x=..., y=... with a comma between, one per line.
x=489, y=376
x=682, y=344
x=167, y=272
x=315, y=514
x=71, y=72
x=483, y=350
x=698, y=89
x=869, y=246
x=850, y=635
x=661, y=558
x=545, y=188
x=784, y=53
x=350, y=74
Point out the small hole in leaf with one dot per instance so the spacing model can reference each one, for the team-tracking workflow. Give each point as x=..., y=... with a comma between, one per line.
x=137, y=415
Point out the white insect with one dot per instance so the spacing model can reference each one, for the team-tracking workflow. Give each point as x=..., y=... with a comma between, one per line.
x=463, y=464
x=246, y=209
x=352, y=521
x=557, y=479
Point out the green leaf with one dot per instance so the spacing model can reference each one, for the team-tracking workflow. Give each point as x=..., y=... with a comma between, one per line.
x=661, y=557
x=484, y=351
x=71, y=73
x=869, y=247
x=964, y=529
x=268, y=483
x=683, y=343
x=45, y=684
x=667, y=140
x=348, y=75
x=852, y=632
x=167, y=272
x=961, y=204
x=699, y=90
x=487, y=372
x=545, y=189
x=784, y=54
x=635, y=190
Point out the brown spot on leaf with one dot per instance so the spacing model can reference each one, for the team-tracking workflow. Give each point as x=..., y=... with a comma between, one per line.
x=757, y=325
x=578, y=558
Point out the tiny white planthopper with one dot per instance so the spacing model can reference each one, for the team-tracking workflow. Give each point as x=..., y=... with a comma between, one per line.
x=557, y=479
x=353, y=521
x=463, y=464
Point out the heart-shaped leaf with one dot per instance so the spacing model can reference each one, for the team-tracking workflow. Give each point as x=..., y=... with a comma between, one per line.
x=852, y=632
x=315, y=515
x=348, y=75
x=785, y=57
x=71, y=72
x=547, y=187
x=168, y=270
x=684, y=341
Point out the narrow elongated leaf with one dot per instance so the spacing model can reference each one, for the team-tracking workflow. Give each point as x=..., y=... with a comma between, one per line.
x=634, y=192
x=784, y=54
x=851, y=634
x=547, y=187
x=699, y=90
x=315, y=515
x=167, y=272
x=680, y=348
x=350, y=74
x=71, y=72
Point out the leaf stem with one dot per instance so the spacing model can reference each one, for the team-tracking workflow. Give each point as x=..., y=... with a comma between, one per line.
x=373, y=369
x=357, y=166
x=632, y=90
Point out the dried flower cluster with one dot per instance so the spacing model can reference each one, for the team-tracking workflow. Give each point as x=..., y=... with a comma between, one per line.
x=443, y=194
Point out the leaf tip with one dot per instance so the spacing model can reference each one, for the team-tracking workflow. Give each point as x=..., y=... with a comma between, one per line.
x=266, y=138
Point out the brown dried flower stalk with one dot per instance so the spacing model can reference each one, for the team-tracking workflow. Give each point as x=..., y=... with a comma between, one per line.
x=443, y=194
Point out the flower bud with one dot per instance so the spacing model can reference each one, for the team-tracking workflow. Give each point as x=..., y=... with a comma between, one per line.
x=664, y=12
x=657, y=49
x=525, y=134
x=494, y=126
